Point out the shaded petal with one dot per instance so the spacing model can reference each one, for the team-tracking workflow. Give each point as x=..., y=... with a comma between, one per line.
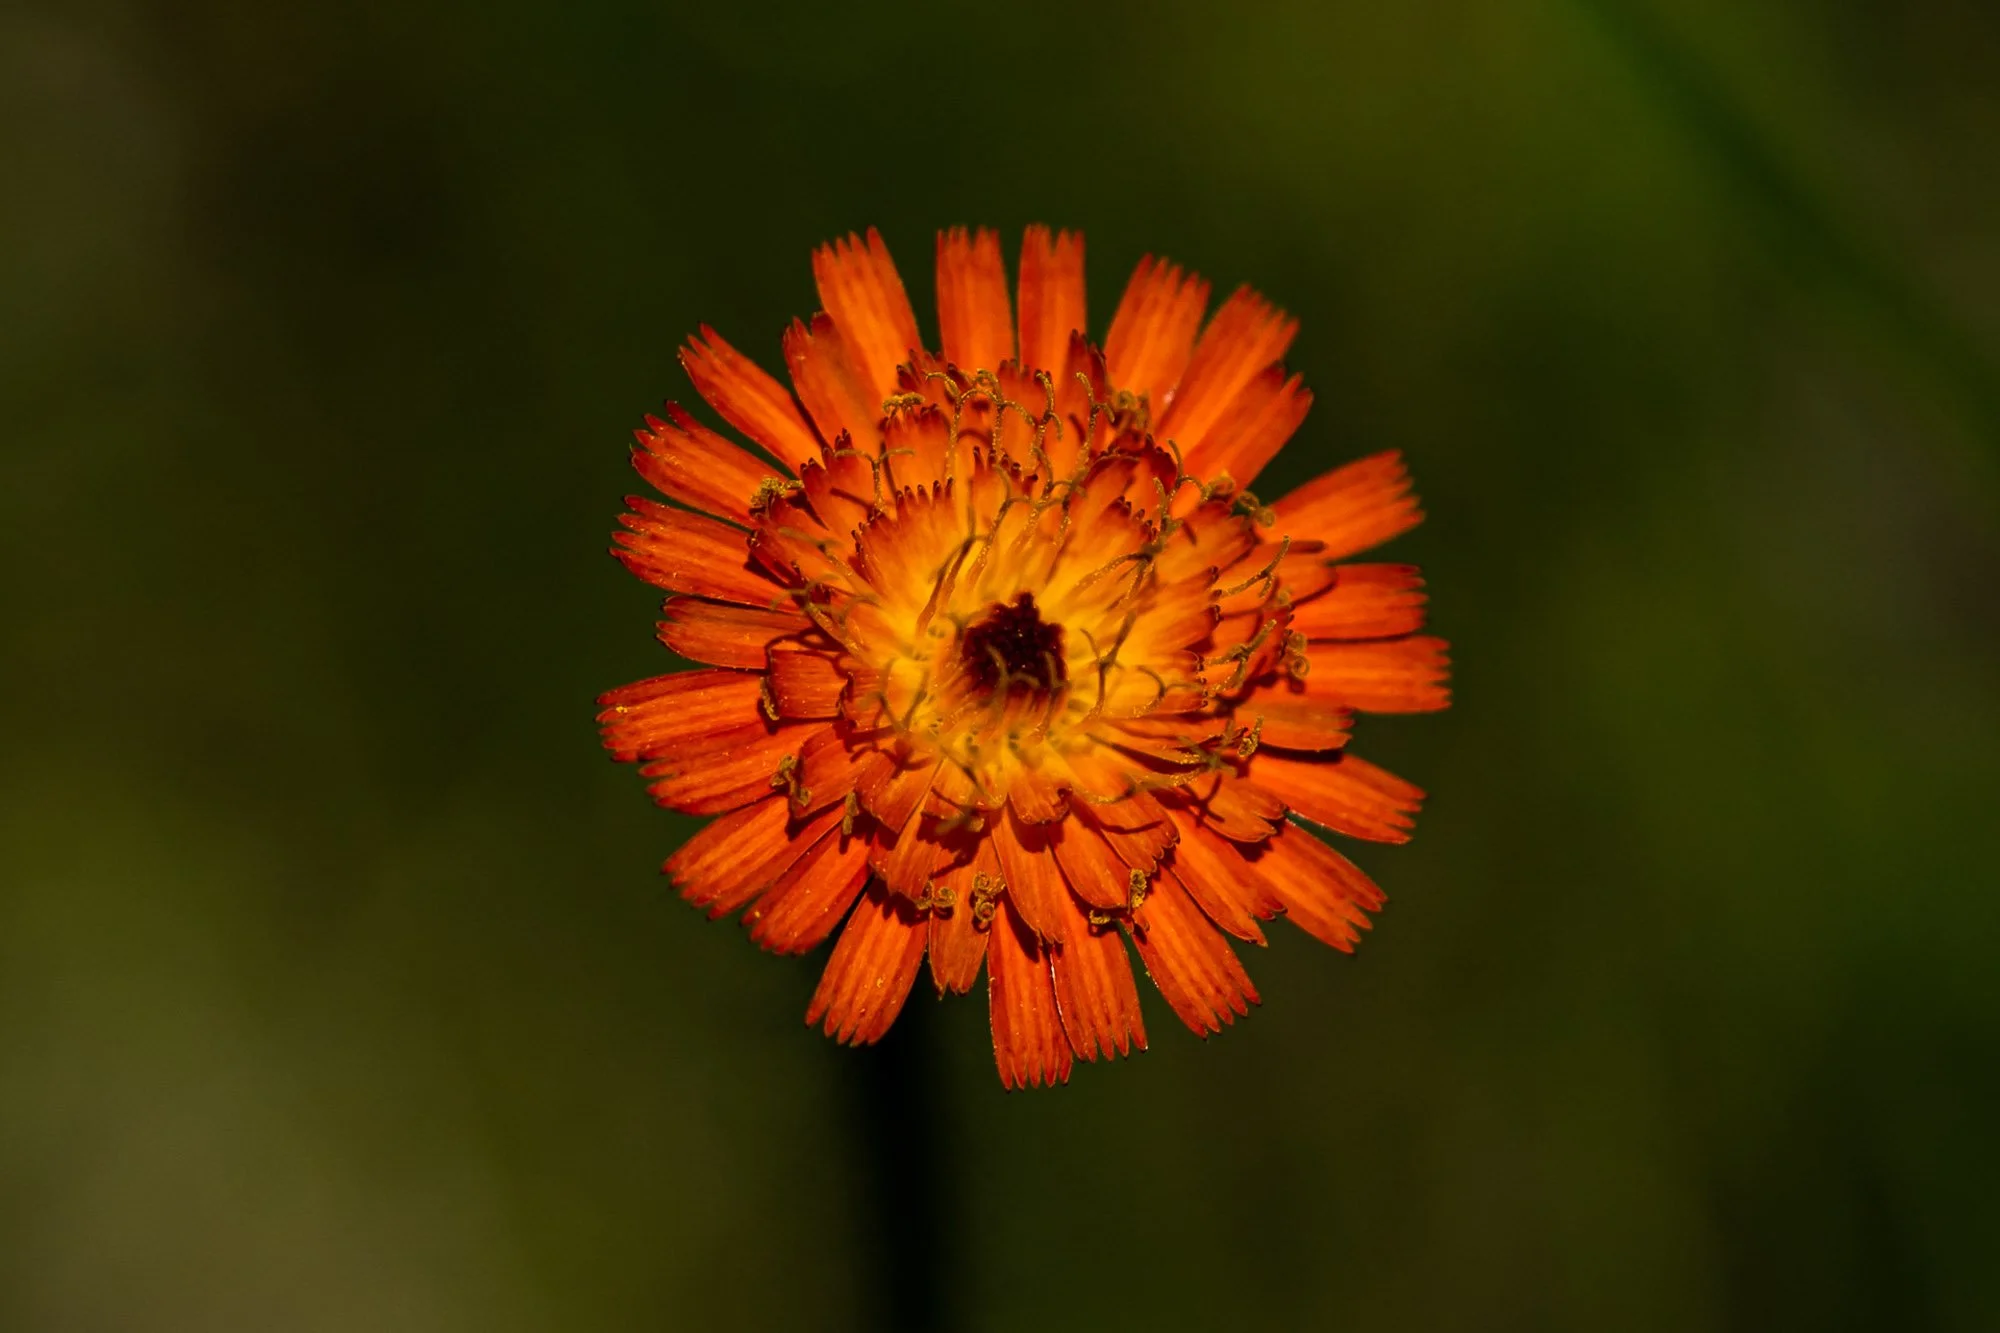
x=975, y=323
x=723, y=635
x=1343, y=793
x=743, y=766
x=1219, y=880
x=1236, y=809
x=837, y=395
x=690, y=463
x=807, y=901
x=1028, y=1042
x=860, y=288
x=1136, y=829
x=1365, y=602
x=1353, y=508
x=916, y=444
x=1036, y=797
x=1095, y=995
x=1093, y=870
x=1306, y=571
x=957, y=944
x=1404, y=675
x=891, y=788
x=805, y=682
x=1152, y=335
x=1267, y=413
x=952, y=791
x=791, y=544
x=682, y=551
x=906, y=861
x=735, y=858
x=749, y=398
x=873, y=965
x=655, y=717
x=841, y=488
x=1244, y=341
x=1211, y=536
x=1080, y=381
x=1196, y=971
x=1294, y=719
x=1034, y=880
x=1324, y=893
x=1051, y=296
x=829, y=768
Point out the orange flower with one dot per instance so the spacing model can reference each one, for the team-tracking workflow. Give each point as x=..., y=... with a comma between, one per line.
x=1006, y=663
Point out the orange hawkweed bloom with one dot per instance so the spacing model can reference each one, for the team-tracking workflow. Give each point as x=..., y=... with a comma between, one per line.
x=1005, y=660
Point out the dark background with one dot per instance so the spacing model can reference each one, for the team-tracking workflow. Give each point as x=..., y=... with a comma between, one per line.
x=337, y=990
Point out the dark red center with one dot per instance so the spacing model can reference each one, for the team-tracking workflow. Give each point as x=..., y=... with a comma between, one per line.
x=1015, y=646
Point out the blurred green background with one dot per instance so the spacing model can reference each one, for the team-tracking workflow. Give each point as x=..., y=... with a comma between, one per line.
x=337, y=988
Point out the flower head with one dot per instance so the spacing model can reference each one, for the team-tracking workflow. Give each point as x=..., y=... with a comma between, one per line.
x=1006, y=662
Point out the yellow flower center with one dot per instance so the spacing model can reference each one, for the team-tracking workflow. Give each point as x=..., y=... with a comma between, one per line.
x=1006, y=616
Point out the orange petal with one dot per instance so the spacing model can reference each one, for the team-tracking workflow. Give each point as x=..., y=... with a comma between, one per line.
x=1211, y=536
x=1352, y=508
x=1266, y=414
x=892, y=789
x=1098, y=772
x=1081, y=381
x=1094, y=991
x=1091, y=867
x=957, y=944
x=748, y=398
x=1152, y=335
x=859, y=287
x=1136, y=828
x=738, y=770
x=975, y=323
x=723, y=635
x=805, y=682
x=1035, y=797
x=917, y=443
x=656, y=717
x=899, y=549
x=869, y=975
x=1404, y=675
x=1174, y=740
x=952, y=786
x=1237, y=810
x=690, y=463
x=738, y=856
x=1365, y=602
x=1028, y=1042
x=840, y=488
x=1219, y=880
x=1051, y=296
x=791, y=544
x=1306, y=574
x=683, y=551
x=1034, y=881
x=1247, y=336
x=828, y=770
x=1288, y=715
x=1324, y=893
x=905, y=861
x=1245, y=652
x=835, y=393
x=1296, y=721
x=1341, y=792
x=808, y=900
x=1197, y=972
x=1120, y=483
